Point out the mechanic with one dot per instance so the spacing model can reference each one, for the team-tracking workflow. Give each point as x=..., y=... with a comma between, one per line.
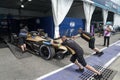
x=77, y=56
x=22, y=38
x=90, y=39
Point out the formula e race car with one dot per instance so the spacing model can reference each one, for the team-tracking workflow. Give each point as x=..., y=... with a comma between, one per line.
x=42, y=46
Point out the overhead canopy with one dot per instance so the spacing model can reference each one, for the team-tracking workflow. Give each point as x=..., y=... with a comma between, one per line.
x=43, y=6
x=111, y=5
x=34, y=5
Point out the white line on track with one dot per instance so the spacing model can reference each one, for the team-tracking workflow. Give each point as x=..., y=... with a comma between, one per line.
x=53, y=72
x=113, y=59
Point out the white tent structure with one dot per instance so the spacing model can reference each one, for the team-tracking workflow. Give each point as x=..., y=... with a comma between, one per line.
x=116, y=20
x=88, y=10
x=105, y=15
x=60, y=9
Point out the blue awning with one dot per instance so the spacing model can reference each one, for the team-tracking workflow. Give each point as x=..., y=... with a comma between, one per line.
x=106, y=4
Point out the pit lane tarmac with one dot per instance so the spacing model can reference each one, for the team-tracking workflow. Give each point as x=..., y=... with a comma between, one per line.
x=67, y=73
x=31, y=68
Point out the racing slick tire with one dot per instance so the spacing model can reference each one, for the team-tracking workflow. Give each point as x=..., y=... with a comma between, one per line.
x=47, y=52
x=60, y=55
x=14, y=38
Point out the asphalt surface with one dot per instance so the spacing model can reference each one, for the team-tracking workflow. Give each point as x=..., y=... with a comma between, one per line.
x=30, y=68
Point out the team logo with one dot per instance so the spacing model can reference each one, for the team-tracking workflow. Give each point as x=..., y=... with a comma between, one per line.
x=72, y=24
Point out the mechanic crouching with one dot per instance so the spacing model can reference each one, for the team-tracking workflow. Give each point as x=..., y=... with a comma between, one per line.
x=77, y=56
x=22, y=38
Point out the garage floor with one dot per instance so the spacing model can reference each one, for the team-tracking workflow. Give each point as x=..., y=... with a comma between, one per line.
x=30, y=68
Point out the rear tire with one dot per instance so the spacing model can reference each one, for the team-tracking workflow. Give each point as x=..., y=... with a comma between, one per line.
x=47, y=52
x=14, y=38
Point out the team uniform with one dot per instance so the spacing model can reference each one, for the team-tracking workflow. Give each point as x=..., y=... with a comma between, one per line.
x=89, y=38
x=22, y=36
x=78, y=51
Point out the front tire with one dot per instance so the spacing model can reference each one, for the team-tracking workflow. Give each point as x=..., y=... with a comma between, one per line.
x=47, y=52
x=60, y=55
